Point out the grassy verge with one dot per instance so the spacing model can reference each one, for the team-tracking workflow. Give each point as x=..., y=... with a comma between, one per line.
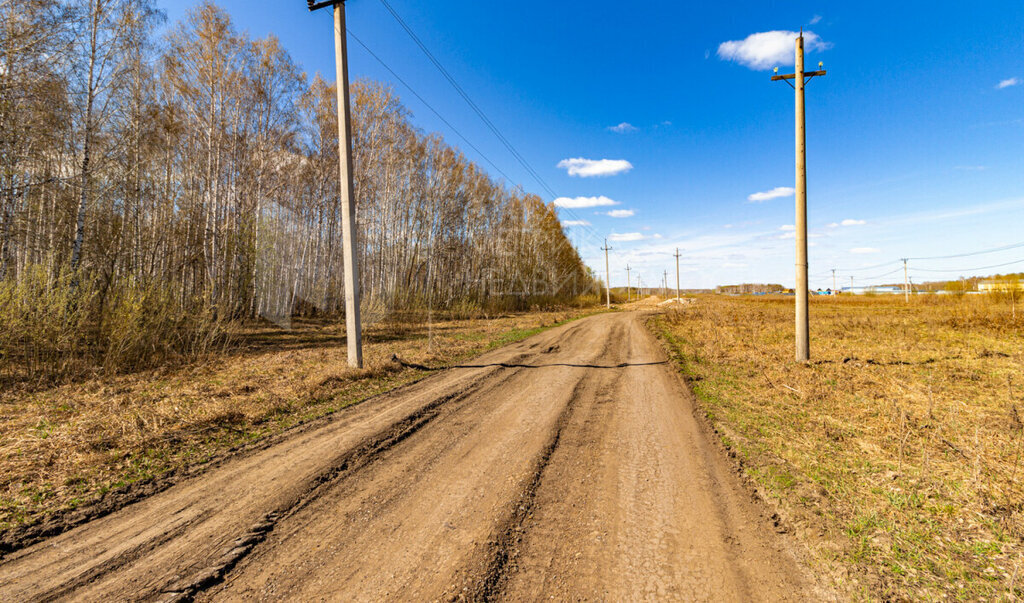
x=67, y=446
x=896, y=453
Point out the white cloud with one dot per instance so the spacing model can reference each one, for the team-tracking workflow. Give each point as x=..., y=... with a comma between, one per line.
x=568, y=223
x=631, y=236
x=775, y=193
x=865, y=250
x=768, y=49
x=588, y=168
x=623, y=128
x=852, y=222
x=578, y=202
x=1007, y=83
x=788, y=235
x=787, y=227
x=834, y=225
x=815, y=19
x=621, y=213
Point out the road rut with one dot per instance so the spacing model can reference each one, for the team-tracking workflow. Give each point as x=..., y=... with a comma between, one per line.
x=569, y=465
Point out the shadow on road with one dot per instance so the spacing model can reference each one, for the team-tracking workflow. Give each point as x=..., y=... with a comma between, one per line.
x=420, y=367
x=533, y=366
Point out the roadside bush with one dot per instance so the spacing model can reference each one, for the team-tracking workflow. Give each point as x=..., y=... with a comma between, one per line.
x=52, y=328
x=144, y=325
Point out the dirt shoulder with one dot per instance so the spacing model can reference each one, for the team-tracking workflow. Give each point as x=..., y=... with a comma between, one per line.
x=895, y=454
x=74, y=452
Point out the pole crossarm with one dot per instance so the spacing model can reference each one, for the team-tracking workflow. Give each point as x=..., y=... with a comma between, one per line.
x=792, y=76
x=314, y=5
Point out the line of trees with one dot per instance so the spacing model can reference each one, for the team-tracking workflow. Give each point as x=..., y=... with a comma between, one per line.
x=153, y=186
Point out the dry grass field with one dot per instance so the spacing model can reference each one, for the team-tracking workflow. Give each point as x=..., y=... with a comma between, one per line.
x=72, y=446
x=896, y=453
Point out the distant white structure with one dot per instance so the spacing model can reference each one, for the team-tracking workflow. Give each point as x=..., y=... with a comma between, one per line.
x=870, y=290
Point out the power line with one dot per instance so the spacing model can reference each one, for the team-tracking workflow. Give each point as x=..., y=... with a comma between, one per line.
x=875, y=267
x=465, y=96
x=972, y=269
x=455, y=130
x=964, y=255
x=483, y=117
x=871, y=278
x=435, y=112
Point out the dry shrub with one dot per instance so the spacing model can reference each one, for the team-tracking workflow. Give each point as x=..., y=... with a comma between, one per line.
x=146, y=326
x=53, y=328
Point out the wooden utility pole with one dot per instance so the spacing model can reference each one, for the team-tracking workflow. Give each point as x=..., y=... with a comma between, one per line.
x=677, y=273
x=607, y=275
x=629, y=293
x=353, y=326
x=800, y=79
x=906, y=282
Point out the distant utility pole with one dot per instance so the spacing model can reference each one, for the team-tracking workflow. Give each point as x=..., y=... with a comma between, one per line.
x=664, y=281
x=628, y=292
x=851, y=284
x=834, y=292
x=906, y=282
x=353, y=326
x=800, y=79
x=608, y=276
x=677, y=273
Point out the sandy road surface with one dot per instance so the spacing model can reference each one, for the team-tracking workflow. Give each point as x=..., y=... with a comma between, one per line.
x=568, y=465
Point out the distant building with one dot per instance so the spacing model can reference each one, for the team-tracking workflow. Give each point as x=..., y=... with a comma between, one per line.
x=881, y=290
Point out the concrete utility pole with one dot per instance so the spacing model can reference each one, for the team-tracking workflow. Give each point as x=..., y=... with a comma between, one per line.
x=353, y=326
x=800, y=79
x=664, y=280
x=834, y=292
x=608, y=276
x=628, y=292
x=906, y=282
x=677, y=273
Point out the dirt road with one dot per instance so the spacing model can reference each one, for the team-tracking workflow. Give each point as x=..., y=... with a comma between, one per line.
x=569, y=465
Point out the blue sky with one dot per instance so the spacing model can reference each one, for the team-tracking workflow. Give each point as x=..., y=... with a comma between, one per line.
x=915, y=137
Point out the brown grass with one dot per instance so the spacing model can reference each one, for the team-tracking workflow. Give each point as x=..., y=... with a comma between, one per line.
x=65, y=446
x=896, y=453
